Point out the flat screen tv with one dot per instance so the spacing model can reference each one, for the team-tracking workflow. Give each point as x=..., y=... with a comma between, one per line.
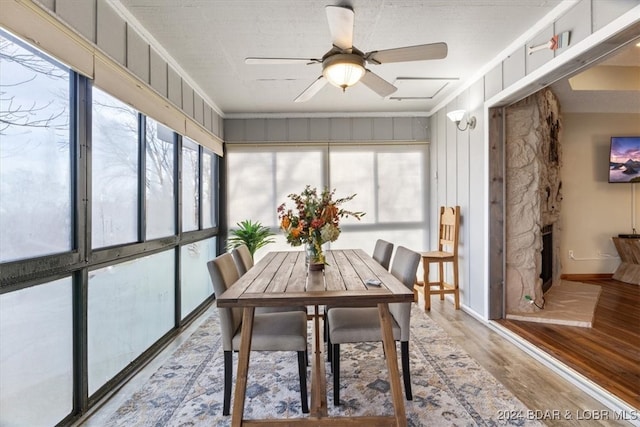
x=624, y=159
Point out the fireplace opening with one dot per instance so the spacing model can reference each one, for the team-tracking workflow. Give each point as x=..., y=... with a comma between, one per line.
x=547, y=257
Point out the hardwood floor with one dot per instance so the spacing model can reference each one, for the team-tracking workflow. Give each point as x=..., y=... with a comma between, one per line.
x=608, y=353
x=552, y=399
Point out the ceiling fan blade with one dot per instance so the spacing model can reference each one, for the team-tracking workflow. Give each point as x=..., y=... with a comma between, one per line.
x=341, y=26
x=378, y=84
x=314, y=88
x=410, y=53
x=280, y=61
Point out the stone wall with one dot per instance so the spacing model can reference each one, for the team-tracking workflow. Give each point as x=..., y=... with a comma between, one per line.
x=533, y=195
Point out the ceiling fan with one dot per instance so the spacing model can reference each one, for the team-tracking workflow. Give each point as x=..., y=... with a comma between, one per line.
x=344, y=65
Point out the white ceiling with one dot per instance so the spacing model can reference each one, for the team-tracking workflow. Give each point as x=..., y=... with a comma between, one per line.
x=209, y=40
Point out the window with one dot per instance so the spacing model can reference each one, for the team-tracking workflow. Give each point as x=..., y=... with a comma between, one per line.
x=35, y=160
x=131, y=305
x=190, y=183
x=261, y=180
x=114, y=178
x=195, y=283
x=67, y=260
x=209, y=171
x=391, y=187
x=389, y=180
x=36, y=354
x=159, y=180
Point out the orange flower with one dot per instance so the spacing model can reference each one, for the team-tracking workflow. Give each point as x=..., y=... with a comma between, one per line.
x=317, y=218
x=329, y=212
x=286, y=222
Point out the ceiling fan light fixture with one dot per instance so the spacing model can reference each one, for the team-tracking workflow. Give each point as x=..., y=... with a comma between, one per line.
x=343, y=70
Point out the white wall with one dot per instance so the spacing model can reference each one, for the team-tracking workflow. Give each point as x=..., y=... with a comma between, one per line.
x=462, y=158
x=593, y=210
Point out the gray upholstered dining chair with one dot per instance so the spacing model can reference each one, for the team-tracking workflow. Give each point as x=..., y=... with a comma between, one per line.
x=362, y=324
x=243, y=258
x=382, y=253
x=281, y=331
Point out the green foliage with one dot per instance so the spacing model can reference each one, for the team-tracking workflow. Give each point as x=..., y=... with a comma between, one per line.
x=253, y=234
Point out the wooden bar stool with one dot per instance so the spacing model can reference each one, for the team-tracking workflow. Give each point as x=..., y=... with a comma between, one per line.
x=447, y=252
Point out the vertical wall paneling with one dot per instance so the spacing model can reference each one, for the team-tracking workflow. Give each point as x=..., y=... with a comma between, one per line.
x=327, y=129
x=174, y=89
x=158, y=77
x=383, y=129
x=434, y=174
x=606, y=11
x=298, y=129
x=578, y=21
x=419, y=129
x=216, y=124
x=198, y=108
x=444, y=133
x=340, y=129
x=474, y=220
x=234, y=130
x=513, y=67
x=462, y=199
x=208, y=116
x=256, y=130
x=277, y=130
x=362, y=128
x=187, y=99
x=540, y=57
x=493, y=81
x=81, y=15
x=451, y=165
x=402, y=129
x=111, y=33
x=319, y=129
x=137, y=55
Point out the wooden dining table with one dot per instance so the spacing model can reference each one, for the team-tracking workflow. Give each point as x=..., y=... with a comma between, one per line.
x=283, y=279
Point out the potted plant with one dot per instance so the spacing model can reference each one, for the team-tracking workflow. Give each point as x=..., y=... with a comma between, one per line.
x=253, y=234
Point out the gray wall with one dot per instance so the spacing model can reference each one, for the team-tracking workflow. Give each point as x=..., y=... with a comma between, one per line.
x=326, y=129
x=460, y=160
x=101, y=25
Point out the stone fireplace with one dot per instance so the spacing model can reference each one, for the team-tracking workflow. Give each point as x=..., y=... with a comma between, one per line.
x=533, y=195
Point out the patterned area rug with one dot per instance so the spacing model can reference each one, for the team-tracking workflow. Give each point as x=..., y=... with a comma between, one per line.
x=449, y=387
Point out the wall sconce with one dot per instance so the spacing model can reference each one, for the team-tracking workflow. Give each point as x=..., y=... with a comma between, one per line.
x=456, y=116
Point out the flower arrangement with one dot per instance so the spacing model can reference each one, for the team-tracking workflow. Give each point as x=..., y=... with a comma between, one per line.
x=315, y=221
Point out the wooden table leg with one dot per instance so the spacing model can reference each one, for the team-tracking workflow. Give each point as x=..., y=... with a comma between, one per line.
x=392, y=364
x=318, y=374
x=243, y=367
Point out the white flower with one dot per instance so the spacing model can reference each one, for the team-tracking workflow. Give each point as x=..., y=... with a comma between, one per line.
x=329, y=233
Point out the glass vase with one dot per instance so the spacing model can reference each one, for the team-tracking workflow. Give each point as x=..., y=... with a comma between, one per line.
x=314, y=256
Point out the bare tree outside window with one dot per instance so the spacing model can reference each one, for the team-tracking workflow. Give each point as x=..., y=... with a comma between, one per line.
x=35, y=157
